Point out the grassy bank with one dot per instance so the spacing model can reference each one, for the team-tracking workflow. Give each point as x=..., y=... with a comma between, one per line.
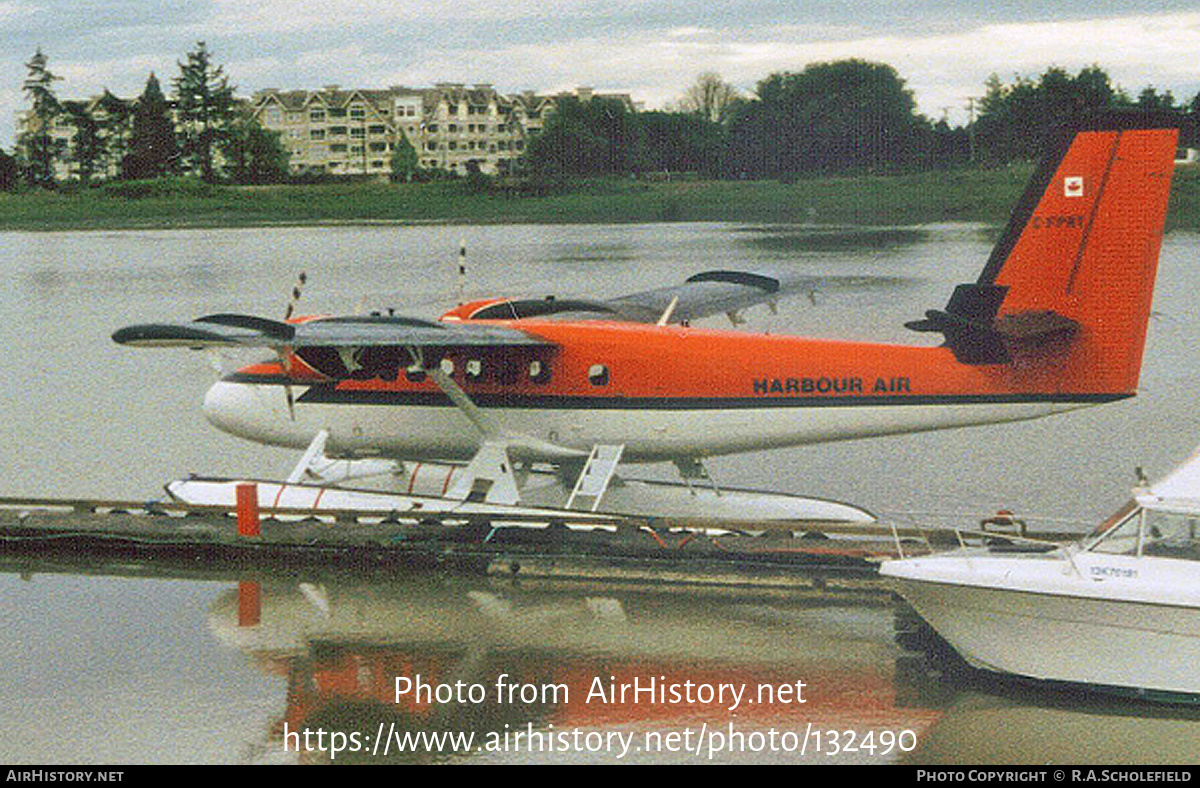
x=985, y=196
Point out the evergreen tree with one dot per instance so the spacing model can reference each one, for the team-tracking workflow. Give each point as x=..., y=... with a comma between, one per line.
x=10, y=172
x=205, y=103
x=87, y=148
x=113, y=116
x=153, y=151
x=38, y=144
x=405, y=162
x=253, y=154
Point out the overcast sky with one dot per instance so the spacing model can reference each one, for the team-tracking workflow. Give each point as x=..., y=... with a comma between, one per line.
x=652, y=49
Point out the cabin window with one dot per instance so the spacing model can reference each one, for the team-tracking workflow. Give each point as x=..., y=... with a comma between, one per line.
x=414, y=374
x=539, y=372
x=1172, y=535
x=598, y=375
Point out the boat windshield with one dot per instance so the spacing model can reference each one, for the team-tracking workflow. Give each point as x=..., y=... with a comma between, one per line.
x=1153, y=532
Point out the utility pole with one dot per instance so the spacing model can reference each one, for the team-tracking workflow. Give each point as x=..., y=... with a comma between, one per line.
x=971, y=125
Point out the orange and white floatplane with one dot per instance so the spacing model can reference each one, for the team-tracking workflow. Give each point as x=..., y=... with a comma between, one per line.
x=496, y=390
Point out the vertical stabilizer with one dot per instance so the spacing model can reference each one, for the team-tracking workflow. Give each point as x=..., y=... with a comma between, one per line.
x=1066, y=291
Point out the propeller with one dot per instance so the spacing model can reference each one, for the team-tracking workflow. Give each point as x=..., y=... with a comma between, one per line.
x=462, y=271
x=285, y=354
x=297, y=291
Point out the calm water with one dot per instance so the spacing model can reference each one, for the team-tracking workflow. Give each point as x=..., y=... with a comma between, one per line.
x=122, y=669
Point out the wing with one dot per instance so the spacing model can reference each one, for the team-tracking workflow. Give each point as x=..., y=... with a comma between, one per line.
x=228, y=330
x=337, y=347
x=705, y=294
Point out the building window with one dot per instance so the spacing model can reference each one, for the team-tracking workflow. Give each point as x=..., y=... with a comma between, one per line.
x=317, y=116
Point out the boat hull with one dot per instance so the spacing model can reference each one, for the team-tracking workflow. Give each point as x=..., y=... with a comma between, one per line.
x=1055, y=620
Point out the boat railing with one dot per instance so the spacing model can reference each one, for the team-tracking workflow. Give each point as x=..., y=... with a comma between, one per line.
x=973, y=537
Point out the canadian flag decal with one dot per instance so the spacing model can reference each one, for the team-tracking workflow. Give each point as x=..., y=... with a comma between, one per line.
x=1073, y=186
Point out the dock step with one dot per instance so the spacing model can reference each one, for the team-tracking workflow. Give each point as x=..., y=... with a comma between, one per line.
x=597, y=473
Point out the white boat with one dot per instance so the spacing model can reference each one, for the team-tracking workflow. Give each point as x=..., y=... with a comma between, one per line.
x=1118, y=611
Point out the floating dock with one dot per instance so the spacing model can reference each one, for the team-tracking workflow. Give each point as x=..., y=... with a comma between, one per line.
x=617, y=548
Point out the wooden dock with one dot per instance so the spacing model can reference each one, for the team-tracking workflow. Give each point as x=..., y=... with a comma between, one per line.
x=621, y=549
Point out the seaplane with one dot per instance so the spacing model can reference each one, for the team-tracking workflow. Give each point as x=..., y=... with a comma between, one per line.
x=535, y=402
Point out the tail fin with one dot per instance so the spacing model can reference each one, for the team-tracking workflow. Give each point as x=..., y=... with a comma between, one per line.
x=1070, y=281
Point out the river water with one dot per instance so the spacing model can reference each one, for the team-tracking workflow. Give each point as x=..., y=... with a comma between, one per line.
x=110, y=667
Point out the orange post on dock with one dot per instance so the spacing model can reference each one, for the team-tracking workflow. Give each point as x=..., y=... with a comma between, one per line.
x=247, y=509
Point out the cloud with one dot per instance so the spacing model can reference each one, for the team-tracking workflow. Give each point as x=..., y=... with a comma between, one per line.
x=650, y=49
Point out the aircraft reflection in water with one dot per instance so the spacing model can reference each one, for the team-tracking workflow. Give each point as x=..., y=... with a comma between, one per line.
x=342, y=648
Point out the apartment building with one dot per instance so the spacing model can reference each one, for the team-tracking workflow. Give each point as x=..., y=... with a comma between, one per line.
x=451, y=127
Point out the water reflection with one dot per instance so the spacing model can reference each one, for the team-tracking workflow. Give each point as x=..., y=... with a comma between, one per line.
x=231, y=670
x=576, y=652
x=790, y=240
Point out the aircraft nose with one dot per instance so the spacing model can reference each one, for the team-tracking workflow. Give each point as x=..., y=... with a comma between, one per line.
x=256, y=413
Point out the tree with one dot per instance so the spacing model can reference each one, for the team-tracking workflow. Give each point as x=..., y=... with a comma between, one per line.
x=206, y=107
x=710, y=98
x=599, y=136
x=844, y=115
x=253, y=154
x=37, y=141
x=153, y=150
x=1015, y=121
x=10, y=172
x=682, y=142
x=1150, y=98
x=87, y=149
x=405, y=161
x=112, y=116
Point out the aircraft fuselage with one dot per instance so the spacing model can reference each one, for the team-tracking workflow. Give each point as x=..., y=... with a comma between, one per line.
x=663, y=392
